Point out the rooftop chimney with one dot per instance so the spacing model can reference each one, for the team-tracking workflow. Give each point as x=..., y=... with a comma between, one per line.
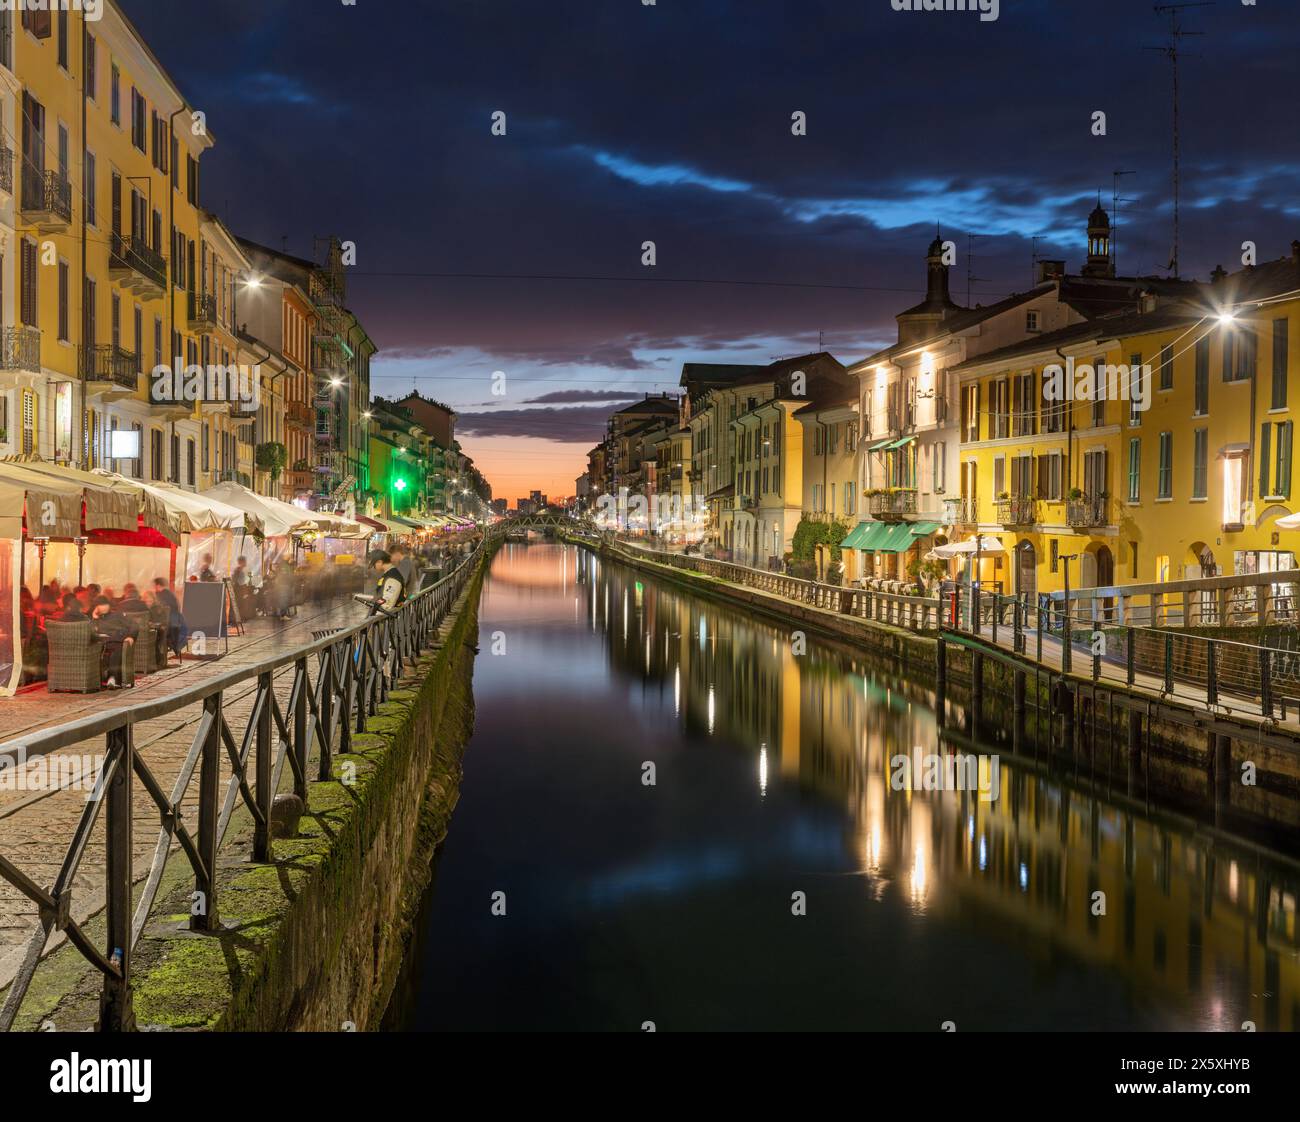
x=1050, y=270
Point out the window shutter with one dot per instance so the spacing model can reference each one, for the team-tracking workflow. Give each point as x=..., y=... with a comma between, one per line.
x=1284, y=435
x=1263, y=459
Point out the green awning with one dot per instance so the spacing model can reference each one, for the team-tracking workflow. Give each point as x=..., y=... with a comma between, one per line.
x=920, y=529
x=881, y=445
x=859, y=535
x=897, y=538
x=900, y=443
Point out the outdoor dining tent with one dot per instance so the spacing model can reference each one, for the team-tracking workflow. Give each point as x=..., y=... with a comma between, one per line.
x=65, y=524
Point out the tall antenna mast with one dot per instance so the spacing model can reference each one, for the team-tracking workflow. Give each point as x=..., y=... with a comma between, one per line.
x=1116, y=199
x=970, y=256
x=1170, y=51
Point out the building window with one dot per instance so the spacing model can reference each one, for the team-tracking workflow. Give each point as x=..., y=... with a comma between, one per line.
x=1136, y=388
x=1201, y=405
x=1239, y=346
x=1275, y=460
x=1031, y=321
x=1134, y=469
x=1050, y=476
x=137, y=467
x=63, y=302
x=38, y=23
x=1281, y=341
x=91, y=67
x=115, y=95
x=189, y=461
x=139, y=122
x=155, y=454
x=91, y=182
x=1200, y=463
x=1165, y=482
x=63, y=38
x=1167, y=367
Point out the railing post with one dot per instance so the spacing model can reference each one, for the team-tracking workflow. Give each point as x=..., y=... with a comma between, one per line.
x=1169, y=662
x=1130, y=656
x=205, y=883
x=1039, y=622
x=1265, y=682
x=265, y=760
x=302, y=683
x=1211, y=672
x=115, y=1011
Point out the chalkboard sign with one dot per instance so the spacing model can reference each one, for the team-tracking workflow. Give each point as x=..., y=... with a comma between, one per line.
x=205, y=610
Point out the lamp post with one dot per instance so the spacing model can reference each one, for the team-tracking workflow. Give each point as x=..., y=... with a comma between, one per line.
x=1066, y=660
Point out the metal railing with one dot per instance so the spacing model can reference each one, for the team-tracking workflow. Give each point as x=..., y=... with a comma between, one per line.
x=357, y=666
x=202, y=309
x=915, y=613
x=891, y=504
x=46, y=192
x=1090, y=510
x=1244, y=600
x=1178, y=664
x=6, y=169
x=1017, y=510
x=104, y=362
x=137, y=256
x=20, y=349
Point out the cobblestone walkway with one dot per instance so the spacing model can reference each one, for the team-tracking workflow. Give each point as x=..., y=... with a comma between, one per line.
x=36, y=826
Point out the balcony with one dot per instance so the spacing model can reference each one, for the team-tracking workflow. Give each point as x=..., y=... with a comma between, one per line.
x=202, y=313
x=136, y=265
x=109, y=371
x=20, y=356
x=300, y=415
x=1087, y=511
x=304, y=479
x=891, y=505
x=1017, y=510
x=6, y=170
x=46, y=200
x=961, y=511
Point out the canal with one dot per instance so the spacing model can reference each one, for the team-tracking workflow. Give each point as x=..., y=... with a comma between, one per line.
x=688, y=824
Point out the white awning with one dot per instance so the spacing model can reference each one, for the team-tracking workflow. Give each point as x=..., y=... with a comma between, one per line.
x=982, y=545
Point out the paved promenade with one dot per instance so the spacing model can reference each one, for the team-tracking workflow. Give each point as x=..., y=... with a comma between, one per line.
x=36, y=826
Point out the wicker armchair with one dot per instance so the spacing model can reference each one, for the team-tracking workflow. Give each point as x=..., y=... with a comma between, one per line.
x=160, y=617
x=146, y=642
x=75, y=655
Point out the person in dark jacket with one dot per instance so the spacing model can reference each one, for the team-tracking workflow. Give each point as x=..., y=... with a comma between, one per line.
x=176, y=630
x=390, y=585
x=115, y=633
x=73, y=611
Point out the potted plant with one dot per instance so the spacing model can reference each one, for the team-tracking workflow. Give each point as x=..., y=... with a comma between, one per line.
x=1074, y=494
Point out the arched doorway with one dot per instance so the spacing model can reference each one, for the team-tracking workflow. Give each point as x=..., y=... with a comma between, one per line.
x=1203, y=604
x=1026, y=570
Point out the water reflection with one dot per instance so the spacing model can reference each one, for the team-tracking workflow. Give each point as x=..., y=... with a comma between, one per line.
x=1049, y=907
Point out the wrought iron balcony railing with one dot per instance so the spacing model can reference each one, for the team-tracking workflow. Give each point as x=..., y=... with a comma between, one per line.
x=136, y=262
x=6, y=170
x=202, y=312
x=1090, y=510
x=47, y=197
x=105, y=362
x=891, y=504
x=20, y=349
x=1017, y=510
x=961, y=511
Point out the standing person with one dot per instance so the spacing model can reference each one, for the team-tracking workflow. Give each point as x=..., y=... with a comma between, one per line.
x=115, y=633
x=205, y=571
x=404, y=564
x=175, y=624
x=390, y=586
x=242, y=587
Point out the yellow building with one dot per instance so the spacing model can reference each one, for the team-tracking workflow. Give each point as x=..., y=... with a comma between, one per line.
x=114, y=274
x=830, y=469
x=1167, y=455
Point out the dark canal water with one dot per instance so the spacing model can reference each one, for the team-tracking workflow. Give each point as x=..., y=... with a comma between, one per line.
x=673, y=903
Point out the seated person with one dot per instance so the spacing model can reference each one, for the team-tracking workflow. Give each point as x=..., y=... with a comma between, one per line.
x=131, y=600
x=170, y=608
x=73, y=610
x=116, y=634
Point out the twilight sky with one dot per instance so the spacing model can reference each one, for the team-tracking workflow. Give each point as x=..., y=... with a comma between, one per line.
x=671, y=123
